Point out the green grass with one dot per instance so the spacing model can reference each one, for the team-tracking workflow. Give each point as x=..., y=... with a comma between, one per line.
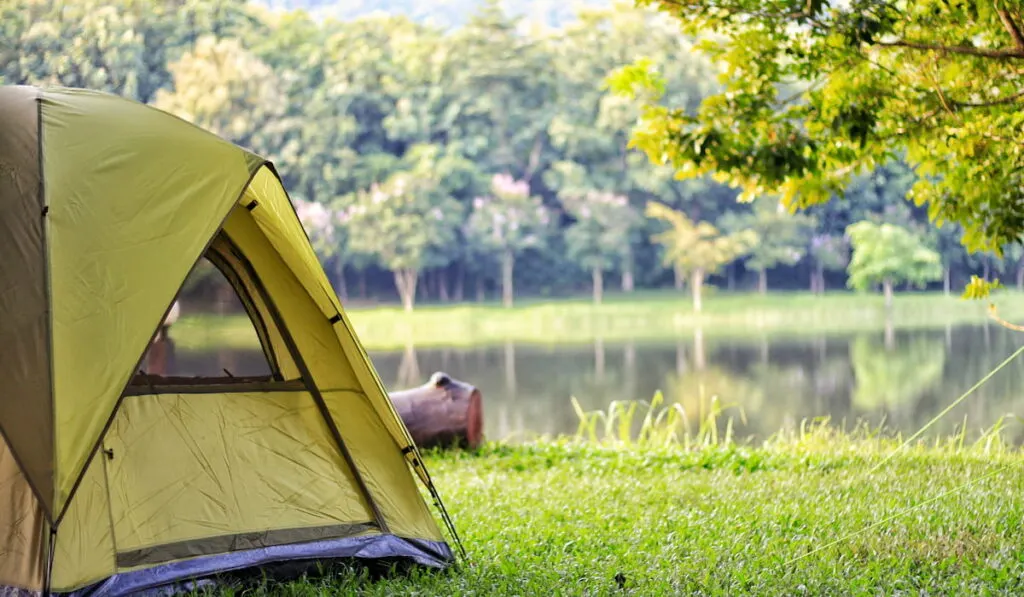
x=566, y=517
x=670, y=508
x=645, y=500
x=645, y=316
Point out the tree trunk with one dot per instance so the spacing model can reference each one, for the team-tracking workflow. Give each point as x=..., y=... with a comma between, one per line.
x=762, y=281
x=1020, y=277
x=731, y=276
x=680, y=278
x=628, y=283
x=339, y=271
x=985, y=270
x=945, y=281
x=508, y=262
x=405, y=282
x=160, y=357
x=887, y=290
x=480, y=294
x=429, y=285
x=814, y=281
x=821, y=279
x=697, y=286
x=442, y=413
x=598, y=277
x=362, y=284
x=460, y=283
x=442, y=285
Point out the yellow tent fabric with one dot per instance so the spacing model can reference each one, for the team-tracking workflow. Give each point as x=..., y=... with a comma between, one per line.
x=113, y=481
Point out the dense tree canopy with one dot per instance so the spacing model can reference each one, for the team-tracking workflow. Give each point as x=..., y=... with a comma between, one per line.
x=354, y=109
x=885, y=254
x=782, y=236
x=816, y=92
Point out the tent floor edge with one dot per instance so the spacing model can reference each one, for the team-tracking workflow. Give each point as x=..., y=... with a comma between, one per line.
x=277, y=562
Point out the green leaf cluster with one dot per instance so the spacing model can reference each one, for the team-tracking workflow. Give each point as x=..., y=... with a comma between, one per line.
x=886, y=253
x=814, y=93
x=697, y=246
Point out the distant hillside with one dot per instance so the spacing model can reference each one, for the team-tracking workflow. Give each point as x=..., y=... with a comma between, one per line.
x=445, y=13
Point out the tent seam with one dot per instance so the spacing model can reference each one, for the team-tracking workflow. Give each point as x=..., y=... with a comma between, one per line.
x=48, y=284
x=110, y=511
x=44, y=208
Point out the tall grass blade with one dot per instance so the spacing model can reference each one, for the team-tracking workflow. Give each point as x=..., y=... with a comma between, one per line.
x=946, y=410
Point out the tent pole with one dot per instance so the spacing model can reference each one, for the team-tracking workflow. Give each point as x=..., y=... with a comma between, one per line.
x=417, y=461
x=311, y=387
x=48, y=573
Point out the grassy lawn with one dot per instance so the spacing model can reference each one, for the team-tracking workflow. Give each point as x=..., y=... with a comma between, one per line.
x=566, y=518
x=644, y=316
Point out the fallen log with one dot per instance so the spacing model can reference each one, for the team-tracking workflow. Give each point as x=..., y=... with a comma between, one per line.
x=444, y=412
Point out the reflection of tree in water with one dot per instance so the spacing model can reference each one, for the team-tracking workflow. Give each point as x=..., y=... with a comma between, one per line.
x=801, y=388
x=600, y=384
x=695, y=389
x=409, y=368
x=527, y=388
x=978, y=350
x=696, y=386
x=895, y=380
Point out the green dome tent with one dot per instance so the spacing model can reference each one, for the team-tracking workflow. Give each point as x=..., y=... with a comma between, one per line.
x=113, y=481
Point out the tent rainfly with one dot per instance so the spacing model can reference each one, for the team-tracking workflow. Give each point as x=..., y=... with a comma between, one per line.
x=113, y=481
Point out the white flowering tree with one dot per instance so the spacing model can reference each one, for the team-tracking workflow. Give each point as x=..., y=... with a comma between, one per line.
x=325, y=227
x=407, y=224
x=600, y=239
x=507, y=222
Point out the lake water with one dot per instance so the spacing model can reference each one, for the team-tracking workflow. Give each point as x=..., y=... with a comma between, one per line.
x=767, y=383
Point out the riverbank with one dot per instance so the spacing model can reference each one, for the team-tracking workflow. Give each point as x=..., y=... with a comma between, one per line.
x=643, y=316
x=569, y=518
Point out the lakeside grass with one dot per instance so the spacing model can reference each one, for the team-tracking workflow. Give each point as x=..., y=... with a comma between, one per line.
x=638, y=317
x=567, y=517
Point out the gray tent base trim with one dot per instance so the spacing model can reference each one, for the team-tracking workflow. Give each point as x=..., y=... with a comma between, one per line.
x=186, y=575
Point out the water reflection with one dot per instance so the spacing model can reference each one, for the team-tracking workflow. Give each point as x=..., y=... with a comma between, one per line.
x=901, y=378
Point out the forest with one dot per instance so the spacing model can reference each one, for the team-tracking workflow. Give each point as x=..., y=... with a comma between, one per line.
x=486, y=160
x=444, y=13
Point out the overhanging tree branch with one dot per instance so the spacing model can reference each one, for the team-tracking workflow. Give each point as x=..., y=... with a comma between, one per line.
x=1011, y=27
x=1000, y=54
x=996, y=102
